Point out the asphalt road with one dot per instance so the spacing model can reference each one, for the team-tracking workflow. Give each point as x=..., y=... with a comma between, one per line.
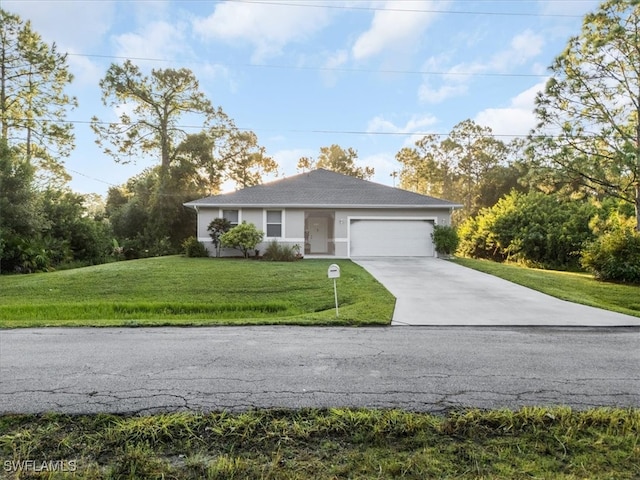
x=236, y=368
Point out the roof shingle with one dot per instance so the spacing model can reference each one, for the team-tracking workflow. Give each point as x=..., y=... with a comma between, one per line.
x=321, y=188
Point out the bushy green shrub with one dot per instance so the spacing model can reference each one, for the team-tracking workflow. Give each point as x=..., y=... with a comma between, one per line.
x=534, y=229
x=614, y=256
x=244, y=237
x=445, y=239
x=276, y=252
x=193, y=248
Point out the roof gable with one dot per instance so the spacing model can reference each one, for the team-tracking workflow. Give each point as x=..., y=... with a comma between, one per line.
x=322, y=188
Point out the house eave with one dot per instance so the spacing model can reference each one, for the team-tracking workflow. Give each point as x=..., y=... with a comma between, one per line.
x=319, y=206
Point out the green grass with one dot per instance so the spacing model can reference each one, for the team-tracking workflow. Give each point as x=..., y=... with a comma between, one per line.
x=533, y=442
x=194, y=291
x=574, y=287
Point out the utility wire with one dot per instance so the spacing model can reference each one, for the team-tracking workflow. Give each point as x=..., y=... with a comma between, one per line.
x=323, y=69
x=358, y=8
x=89, y=177
x=269, y=130
x=408, y=10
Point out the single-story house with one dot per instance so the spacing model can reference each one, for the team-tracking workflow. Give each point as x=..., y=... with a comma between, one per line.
x=330, y=214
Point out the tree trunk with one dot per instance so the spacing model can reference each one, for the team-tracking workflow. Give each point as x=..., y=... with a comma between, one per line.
x=637, y=205
x=4, y=128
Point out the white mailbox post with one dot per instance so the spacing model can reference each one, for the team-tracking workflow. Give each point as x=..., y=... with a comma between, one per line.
x=334, y=272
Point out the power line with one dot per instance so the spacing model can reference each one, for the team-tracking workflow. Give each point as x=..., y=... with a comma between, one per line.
x=408, y=10
x=364, y=8
x=89, y=177
x=270, y=130
x=323, y=69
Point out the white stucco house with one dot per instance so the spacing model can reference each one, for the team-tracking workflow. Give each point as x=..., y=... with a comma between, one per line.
x=330, y=214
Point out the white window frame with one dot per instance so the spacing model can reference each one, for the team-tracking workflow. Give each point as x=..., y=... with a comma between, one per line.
x=266, y=225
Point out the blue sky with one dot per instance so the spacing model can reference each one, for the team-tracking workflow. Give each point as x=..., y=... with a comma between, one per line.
x=302, y=74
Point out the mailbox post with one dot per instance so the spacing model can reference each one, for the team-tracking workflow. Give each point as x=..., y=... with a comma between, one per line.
x=334, y=272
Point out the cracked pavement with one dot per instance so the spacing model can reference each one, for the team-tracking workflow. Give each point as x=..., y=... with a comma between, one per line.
x=434, y=369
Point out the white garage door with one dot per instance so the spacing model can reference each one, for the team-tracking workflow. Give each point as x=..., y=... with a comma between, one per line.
x=391, y=238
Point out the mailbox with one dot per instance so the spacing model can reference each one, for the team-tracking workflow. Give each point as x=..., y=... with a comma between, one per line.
x=334, y=271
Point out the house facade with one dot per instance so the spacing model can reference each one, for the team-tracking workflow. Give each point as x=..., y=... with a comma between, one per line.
x=326, y=213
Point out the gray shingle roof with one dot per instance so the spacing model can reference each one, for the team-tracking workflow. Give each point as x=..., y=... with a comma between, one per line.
x=321, y=188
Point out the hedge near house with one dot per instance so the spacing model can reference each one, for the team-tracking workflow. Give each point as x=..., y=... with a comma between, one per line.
x=445, y=239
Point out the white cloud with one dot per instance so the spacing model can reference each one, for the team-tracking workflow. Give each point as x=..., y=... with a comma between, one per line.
x=516, y=119
x=337, y=59
x=332, y=62
x=392, y=28
x=415, y=127
x=156, y=40
x=456, y=79
x=523, y=47
x=85, y=71
x=72, y=25
x=430, y=94
x=414, y=124
x=267, y=27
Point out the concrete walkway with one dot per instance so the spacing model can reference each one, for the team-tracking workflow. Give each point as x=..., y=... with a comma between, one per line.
x=435, y=292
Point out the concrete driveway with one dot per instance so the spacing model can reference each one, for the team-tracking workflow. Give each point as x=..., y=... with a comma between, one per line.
x=431, y=291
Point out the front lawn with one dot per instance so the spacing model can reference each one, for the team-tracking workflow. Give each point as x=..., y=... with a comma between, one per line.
x=194, y=291
x=573, y=287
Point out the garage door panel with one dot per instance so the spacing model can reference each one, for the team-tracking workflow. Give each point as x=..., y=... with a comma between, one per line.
x=391, y=238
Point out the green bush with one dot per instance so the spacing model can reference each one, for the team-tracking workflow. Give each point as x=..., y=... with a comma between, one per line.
x=614, y=256
x=275, y=252
x=193, y=248
x=533, y=229
x=244, y=237
x=445, y=239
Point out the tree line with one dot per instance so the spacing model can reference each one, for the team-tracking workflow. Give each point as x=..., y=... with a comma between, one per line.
x=585, y=148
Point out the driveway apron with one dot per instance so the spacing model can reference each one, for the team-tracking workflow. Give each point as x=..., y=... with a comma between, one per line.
x=434, y=292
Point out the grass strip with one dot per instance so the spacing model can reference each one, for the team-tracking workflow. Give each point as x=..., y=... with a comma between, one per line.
x=333, y=443
x=142, y=310
x=574, y=287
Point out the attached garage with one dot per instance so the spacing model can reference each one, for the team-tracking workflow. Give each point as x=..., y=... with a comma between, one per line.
x=390, y=237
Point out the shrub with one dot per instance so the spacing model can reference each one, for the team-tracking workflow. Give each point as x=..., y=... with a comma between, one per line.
x=445, y=239
x=614, y=256
x=193, y=248
x=276, y=252
x=533, y=229
x=217, y=228
x=244, y=237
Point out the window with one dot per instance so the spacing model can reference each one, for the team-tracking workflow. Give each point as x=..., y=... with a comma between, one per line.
x=232, y=216
x=274, y=223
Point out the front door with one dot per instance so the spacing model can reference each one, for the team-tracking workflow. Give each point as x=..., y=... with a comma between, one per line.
x=318, y=234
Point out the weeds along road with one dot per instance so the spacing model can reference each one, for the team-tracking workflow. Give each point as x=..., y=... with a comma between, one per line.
x=150, y=370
